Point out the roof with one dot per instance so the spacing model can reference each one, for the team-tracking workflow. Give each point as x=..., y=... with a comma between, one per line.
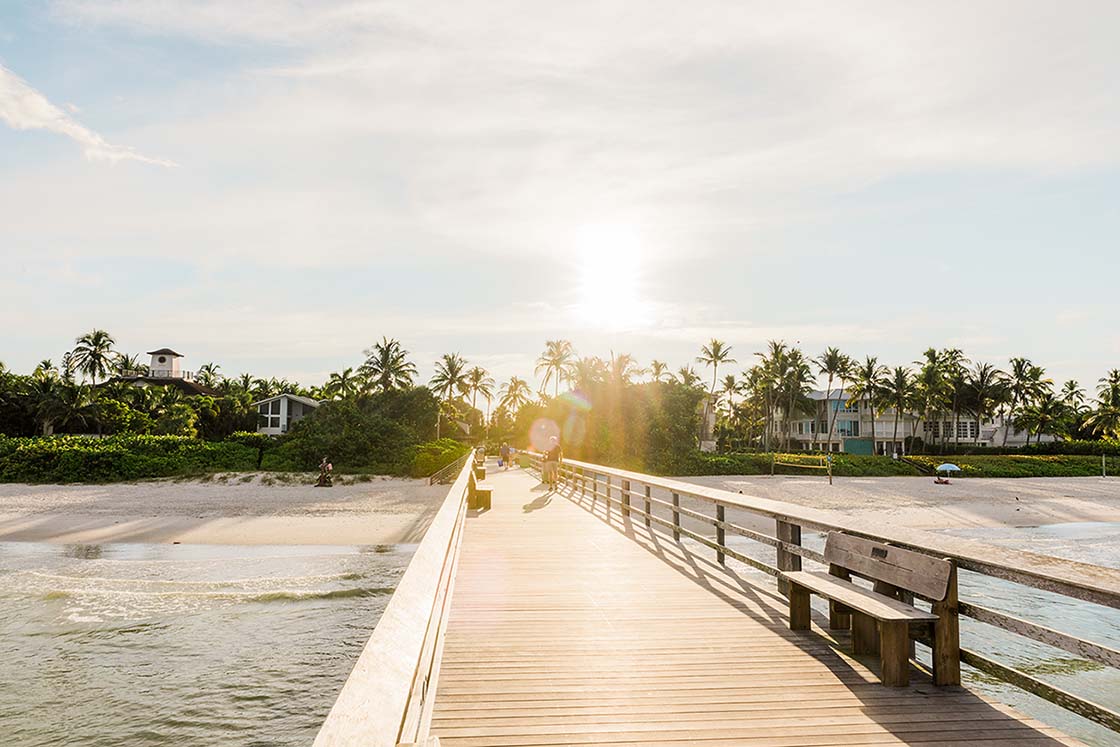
x=165, y=351
x=191, y=388
x=294, y=397
x=819, y=394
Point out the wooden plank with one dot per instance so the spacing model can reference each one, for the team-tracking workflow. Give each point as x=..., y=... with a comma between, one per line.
x=1042, y=634
x=856, y=597
x=921, y=574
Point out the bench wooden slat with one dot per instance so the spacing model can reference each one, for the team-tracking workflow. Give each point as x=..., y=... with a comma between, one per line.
x=922, y=574
x=863, y=600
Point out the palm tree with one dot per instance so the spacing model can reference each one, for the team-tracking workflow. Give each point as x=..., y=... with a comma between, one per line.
x=687, y=377
x=658, y=370
x=515, y=394
x=985, y=389
x=480, y=382
x=1073, y=396
x=1024, y=385
x=1108, y=388
x=208, y=374
x=729, y=389
x=1045, y=415
x=623, y=368
x=835, y=365
x=953, y=369
x=93, y=354
x=450, y=379
x=387, y=366
x=1105, y=419
x=587, y=371
x=125, y=365
x=339, y=385
x=898, y=393
x=867, y=387
x=554, y=362
x=713, y=354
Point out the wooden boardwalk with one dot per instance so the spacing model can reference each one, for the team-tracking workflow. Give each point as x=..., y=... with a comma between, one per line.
x=569, y=626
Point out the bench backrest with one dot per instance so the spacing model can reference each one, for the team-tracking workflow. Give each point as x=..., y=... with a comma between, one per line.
x=922, y=574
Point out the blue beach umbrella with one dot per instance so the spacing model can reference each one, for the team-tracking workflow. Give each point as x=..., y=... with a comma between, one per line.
x=948, y=468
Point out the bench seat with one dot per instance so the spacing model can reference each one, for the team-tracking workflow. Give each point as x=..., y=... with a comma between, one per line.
x=482, y=495
x=857, y=598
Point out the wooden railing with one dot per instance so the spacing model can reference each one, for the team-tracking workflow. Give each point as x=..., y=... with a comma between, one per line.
x=660, y=505
x=447, y=474
x=387, y=700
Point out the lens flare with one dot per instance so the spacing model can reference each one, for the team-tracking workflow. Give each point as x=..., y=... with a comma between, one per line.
x=542, y=432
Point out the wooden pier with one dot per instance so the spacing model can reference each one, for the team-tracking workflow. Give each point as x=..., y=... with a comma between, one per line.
x=563, y=618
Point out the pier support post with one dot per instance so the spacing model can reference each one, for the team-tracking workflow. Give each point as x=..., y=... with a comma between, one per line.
x=787, y=561
x=721, y=534
x=676, y=517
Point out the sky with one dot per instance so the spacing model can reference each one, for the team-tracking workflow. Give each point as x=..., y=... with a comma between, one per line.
x=275, y=185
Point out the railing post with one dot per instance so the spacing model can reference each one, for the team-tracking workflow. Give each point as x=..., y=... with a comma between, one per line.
x=625, y=497
x=946, y=647
x=594, y=488
x=787, y=561
x=582, y=484
x=676, y=517
x=721, y=535
x=608, y=495
x=648, y=507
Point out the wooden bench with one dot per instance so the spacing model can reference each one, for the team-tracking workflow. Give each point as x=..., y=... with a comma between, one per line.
x=881, y=620
x=478, y=493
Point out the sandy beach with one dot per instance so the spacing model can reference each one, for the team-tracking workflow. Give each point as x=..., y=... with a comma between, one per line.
x=919, y=503
x=236, y=509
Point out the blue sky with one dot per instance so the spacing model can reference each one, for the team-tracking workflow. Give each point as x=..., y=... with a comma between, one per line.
x=275, y=185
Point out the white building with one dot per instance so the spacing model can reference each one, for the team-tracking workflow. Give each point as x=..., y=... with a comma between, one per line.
x=165, y=371
x=278, y=413
x=855, y=432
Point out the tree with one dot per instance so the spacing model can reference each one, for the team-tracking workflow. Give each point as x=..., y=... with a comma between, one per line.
x=953, y=370
x=208, y=375
x=834, y=365
x=986, y=389
x=515, y=394
x=1105, y=419
x=450, y=379
x=898, y=393
x=480, y=382
x=93, y=354
x=658, y=370
x=1045, y=415
x=554, y=363
x=685, y=376
x=729, y=389
x=587, y=372
x=128, y=365
x=713, y=354
x=339, y=385
x=1073, y=396
x=387, y=366
x=623, y=368
x=1024, y=385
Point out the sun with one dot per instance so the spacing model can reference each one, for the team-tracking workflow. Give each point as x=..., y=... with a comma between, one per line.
x=610, y=277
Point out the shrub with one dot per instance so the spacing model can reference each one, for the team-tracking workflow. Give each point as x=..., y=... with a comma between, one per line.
x=64, y=459
x=435, y=455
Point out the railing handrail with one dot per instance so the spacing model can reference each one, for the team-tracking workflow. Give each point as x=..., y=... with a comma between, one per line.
x=440, y=475
x=1069, y=577
x=385, y=700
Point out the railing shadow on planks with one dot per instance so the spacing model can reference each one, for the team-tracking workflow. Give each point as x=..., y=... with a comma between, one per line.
x=623, y=489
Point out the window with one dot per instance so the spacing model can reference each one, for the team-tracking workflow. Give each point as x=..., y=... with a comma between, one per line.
x=270, y=414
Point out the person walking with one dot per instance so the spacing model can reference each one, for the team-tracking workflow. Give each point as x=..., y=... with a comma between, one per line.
x=503, y=455
x=552, y=459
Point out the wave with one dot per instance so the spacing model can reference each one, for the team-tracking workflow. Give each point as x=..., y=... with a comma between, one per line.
x=281, y=595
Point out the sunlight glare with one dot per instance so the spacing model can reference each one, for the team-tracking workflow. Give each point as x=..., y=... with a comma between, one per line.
x=610, y=257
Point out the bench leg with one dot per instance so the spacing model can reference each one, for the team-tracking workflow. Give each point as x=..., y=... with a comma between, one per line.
x=799, y=611
x=894, y=653
x=838, y=616
x=865, y=634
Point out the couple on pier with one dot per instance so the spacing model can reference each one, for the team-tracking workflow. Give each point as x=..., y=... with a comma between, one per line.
x=550, y=472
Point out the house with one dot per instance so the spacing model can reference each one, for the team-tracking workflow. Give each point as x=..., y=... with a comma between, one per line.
x=854, y=431
x=278, y=413
x=165, y=370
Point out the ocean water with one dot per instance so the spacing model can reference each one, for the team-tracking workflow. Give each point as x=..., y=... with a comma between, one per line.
x=134, y=644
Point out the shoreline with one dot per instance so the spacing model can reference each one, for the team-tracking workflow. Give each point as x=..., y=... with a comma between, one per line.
x=239, y=510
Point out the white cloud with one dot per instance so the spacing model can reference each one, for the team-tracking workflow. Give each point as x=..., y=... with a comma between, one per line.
x=24, y=108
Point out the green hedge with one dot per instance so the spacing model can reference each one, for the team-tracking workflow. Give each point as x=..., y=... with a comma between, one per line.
x=435, y=455
x=64, y=459
x=1108, y=447
x=1022, y=465
x=850, y=465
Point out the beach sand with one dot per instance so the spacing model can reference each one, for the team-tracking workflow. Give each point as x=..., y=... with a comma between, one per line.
x=243, y=509
x=231, y=509
x=918, y=503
